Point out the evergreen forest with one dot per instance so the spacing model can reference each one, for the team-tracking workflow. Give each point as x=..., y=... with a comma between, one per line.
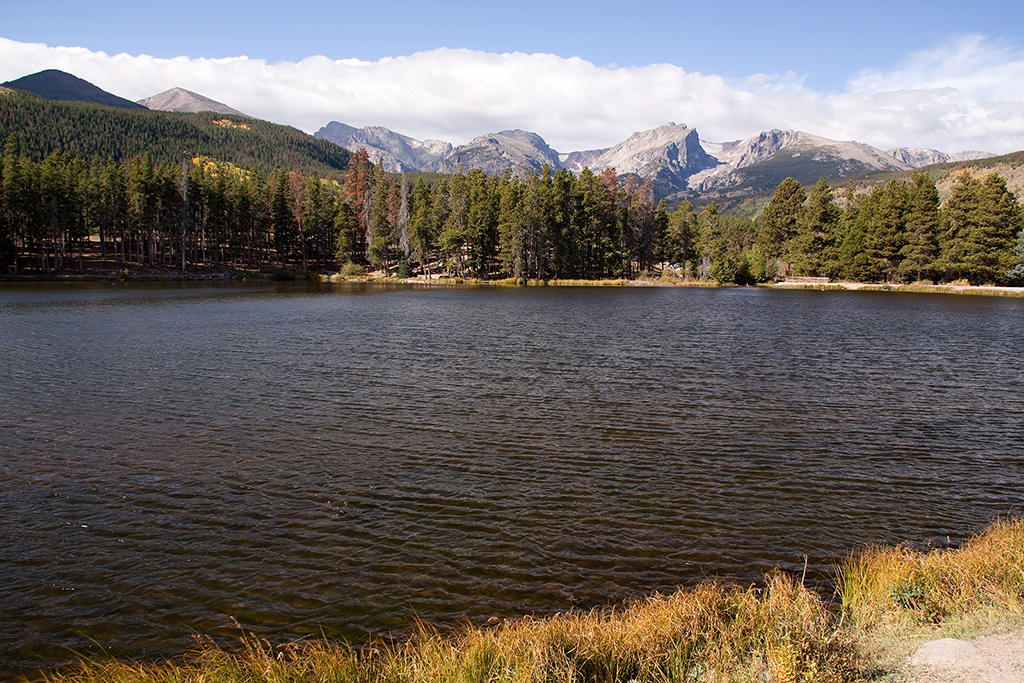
x=215, y=214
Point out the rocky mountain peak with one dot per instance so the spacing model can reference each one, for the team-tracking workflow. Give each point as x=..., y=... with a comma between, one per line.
x=179, y=99
x=756, y=149
x=760, y=162
x=668, y=155
x=399, y=153
x=518, y=151
x=672, y=156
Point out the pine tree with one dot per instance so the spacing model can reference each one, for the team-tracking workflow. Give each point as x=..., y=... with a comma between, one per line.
x=591, y=223
x=347, y=230
x=481, y=223
x=22, y=200
x=707, y=237
x=884, y=216
x=922, y=228
x=357, y=192
x=1007, y=222
x=282, y=218
x=778, y=225
x=682, y=237
x=1016, y=274
x=402, y=220
x=848, y=256
x=562, y=238
x=641, y=223
x=816, y=226
x=422, y=221
x=378, y=234
x=612, y=255
x=538, y=215
x=454, y=213
x=661, y=242
x=320, y=210
x=733, y=238
x=512, y=228
x=983, y=221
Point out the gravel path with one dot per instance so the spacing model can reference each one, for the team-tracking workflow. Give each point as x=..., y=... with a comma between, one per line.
x=992, y=659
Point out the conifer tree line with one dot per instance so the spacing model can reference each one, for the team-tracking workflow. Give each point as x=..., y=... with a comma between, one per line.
x=543, y=226
x=196, y=213
x=589, y=226
x=894, y=233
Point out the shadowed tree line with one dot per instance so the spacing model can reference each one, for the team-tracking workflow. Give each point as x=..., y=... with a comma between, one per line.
x=195, y=213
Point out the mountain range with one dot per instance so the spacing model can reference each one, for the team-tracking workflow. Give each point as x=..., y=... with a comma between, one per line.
x=918, y=157
x=396, y=151
x=672, y=156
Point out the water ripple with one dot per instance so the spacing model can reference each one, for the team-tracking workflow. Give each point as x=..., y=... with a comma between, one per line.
x=340, y=460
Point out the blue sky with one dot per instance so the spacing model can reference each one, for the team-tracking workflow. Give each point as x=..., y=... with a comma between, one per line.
x=812, y=62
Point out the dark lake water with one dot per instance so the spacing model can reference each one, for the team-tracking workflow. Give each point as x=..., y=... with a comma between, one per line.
x=340, y=460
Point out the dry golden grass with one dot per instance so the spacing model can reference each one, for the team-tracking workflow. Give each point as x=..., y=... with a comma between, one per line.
x=895, y=598
x=621, y=282
x=714, y=633
x=883, y=584
x=532, y=282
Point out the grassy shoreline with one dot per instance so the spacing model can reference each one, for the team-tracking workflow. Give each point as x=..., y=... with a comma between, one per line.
x=285, y=276
x=892, y=599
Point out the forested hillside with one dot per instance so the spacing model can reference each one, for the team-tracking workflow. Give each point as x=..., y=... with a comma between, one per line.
x=87, y=130
x=1009, y=166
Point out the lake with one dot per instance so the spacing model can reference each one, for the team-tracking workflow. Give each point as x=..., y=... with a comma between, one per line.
x=343, y=459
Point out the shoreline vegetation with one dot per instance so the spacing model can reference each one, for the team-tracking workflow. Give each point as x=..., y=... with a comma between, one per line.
x=888, y=601
x=666, y=279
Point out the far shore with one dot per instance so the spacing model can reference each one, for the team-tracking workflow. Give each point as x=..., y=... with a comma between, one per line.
x=982, y=290
x=135, y=273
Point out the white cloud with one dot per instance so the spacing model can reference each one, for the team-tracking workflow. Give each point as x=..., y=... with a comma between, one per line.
x=967, y=95
x=787, y=82
x=976, y=67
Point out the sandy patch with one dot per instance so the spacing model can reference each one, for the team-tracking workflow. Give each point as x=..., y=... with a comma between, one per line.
x=992, y=659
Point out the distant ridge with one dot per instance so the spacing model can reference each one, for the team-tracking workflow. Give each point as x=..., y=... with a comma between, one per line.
x=398, y=153
x=918, y=157
x=179, y=99
x=760, y=163
x=53, y=84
